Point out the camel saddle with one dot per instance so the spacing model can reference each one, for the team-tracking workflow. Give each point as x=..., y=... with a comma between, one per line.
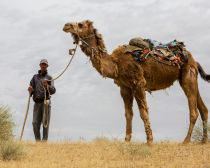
x=172, y=53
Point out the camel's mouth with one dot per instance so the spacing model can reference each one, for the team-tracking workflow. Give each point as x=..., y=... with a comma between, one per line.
x=67, y=29
x=75, y=37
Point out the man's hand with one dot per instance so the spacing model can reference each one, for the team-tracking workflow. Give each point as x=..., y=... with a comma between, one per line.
x=30, y=89
x=45, y=84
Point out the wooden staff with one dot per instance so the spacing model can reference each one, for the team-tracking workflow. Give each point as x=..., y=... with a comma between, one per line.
x=29, y=98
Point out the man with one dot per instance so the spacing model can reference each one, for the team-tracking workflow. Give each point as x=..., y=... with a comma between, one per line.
x=41, y=87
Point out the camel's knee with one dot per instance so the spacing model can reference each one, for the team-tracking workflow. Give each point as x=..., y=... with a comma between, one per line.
x=193, y=117
x=204, y=115
x=129, y=115
x=202, y=109
x=144, y=115
x=193, y=109
x=143, y=110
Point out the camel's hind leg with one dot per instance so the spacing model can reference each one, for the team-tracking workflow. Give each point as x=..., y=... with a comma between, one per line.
x=204, y=116
x=140, y=97
x=127, y=96
x=189, y=84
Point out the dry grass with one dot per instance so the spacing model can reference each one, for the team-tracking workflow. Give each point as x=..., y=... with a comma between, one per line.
x=102, y=153
x=11, y=150
x=198, y=132
x=6, y=124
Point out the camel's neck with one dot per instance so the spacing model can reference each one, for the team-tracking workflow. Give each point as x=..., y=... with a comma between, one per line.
x=91, y=43
x=93, y=46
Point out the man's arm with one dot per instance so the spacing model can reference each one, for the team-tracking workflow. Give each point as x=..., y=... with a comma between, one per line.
x=31, y=86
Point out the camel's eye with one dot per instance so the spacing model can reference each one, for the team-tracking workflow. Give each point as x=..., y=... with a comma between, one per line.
x=80, y=25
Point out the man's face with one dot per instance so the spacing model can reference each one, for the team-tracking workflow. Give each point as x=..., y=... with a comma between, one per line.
x=43, y=67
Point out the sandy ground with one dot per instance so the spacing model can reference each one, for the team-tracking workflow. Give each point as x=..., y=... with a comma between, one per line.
x=102, y=153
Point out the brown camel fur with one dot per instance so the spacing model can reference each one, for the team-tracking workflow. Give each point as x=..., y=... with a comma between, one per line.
x=135, y=78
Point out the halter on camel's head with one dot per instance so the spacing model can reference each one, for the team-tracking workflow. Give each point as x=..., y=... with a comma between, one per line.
x=80, y=30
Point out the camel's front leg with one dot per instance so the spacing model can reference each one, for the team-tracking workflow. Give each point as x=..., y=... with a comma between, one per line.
x=140, y=97
x=127, y=96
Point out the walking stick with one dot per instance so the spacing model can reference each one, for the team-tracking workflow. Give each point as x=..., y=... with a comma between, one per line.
x=29, y=98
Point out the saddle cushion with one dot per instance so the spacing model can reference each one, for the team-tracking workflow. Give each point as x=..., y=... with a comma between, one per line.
x=172, y=53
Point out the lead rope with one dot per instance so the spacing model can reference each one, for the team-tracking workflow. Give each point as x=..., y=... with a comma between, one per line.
x=73, y=54
x=45, y=118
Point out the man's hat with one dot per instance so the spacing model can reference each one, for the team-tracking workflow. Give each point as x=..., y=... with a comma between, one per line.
x=44, y=61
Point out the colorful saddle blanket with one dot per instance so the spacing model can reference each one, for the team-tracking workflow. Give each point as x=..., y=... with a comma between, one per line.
x=172, y=53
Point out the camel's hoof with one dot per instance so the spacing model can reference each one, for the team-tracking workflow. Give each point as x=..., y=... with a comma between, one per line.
x=127, y=138
x=150, y=140
x=186, y=141
x=204, y=141
x=149, y=143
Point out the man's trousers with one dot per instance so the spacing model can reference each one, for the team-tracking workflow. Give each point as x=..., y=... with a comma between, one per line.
x=37, y=121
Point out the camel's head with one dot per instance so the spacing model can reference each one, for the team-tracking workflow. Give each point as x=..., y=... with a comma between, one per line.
x=79, y=29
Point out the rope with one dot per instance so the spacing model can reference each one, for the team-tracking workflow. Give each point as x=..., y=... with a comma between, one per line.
x=45, y=119
x=66, y=66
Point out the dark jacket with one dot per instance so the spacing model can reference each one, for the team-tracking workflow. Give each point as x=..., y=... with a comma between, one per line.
x=38, y=90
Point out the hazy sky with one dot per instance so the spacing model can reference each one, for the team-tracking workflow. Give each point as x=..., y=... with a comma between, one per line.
x=87, y=105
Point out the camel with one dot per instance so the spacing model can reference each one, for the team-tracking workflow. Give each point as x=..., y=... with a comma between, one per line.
x=135, y=78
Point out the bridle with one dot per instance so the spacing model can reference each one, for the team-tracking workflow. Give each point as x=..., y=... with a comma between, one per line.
x=82, y=40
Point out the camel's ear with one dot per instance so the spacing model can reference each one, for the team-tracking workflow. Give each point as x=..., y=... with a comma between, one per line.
x=89, y=23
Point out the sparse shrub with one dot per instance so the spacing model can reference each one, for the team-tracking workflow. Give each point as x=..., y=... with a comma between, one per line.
x=134, y=149
x=6, y=124
x=197, y=135
x=101, y=140
x=11, y=150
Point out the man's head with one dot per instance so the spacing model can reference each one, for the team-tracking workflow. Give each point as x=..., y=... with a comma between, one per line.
x=43, y=65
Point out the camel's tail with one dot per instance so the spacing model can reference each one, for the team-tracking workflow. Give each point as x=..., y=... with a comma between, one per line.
x=203, y=74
